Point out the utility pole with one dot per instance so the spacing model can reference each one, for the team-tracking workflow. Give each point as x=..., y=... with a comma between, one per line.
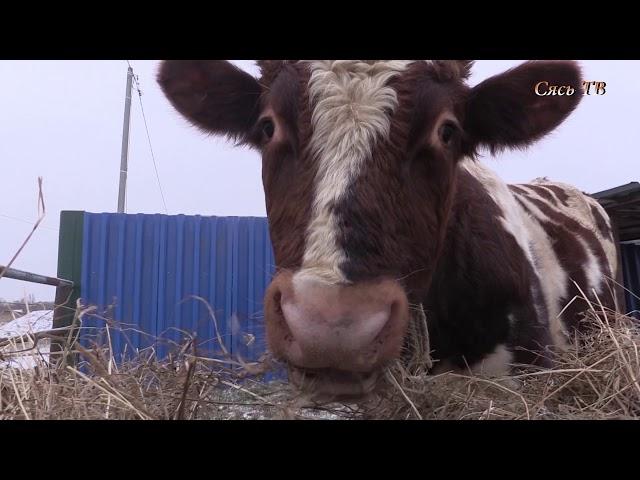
x=122, y=190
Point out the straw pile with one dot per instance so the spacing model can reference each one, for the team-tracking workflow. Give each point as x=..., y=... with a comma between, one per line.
x=598, y=378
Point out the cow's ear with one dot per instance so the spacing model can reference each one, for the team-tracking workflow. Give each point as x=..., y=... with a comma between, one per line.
x=504, y=111
x=214, y=95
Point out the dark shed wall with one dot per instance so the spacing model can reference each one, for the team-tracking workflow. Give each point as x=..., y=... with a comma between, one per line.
x=622, y=203
x=631, y=274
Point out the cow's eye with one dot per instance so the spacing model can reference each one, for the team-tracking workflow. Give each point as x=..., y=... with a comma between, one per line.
x=447, y=132
x=267, y=128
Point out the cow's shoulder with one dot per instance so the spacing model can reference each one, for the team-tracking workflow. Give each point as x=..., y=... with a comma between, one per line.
x=579, y=219
x=570, y=200
x=506, y=212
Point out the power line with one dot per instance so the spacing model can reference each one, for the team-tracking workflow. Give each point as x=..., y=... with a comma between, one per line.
x=146, y=127
x=23, y=220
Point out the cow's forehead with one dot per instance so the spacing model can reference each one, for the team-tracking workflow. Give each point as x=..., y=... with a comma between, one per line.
x=351, y=105
x=328, y=85
x=450, y=69
x=360, y=67
x=350, y=102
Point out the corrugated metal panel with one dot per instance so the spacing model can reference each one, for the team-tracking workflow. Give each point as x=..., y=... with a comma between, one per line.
x=146, y=270
x=631, y=273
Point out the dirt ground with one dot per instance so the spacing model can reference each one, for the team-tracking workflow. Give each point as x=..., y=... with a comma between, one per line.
x=266, y=403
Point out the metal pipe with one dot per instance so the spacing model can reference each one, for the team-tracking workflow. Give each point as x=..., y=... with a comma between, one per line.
x=34, y=277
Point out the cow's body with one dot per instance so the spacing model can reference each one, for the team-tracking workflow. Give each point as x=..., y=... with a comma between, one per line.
x=508, y=268
x=377, y=202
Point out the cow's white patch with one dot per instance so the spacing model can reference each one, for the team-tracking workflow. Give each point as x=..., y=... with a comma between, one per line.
x=554, y=284
x=525, y=226
x=610, y=250
x=553, y=202
x=351, y=106
x=496, y=364
x=544, y=183
x=512, y=218
x=535, y=244
x=578, y=207
x=592, y=269
x=607, y=244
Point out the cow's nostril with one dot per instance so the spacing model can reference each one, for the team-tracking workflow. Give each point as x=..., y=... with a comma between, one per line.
x=395, y=309
x=279, y=317
x=277, y=299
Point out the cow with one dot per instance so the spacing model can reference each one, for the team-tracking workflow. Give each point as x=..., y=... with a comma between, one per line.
x=378, y=204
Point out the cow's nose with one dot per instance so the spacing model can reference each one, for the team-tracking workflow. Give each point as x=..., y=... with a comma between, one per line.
x=316, y=325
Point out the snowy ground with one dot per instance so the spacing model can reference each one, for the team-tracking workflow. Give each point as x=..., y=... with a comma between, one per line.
x=20, y=332
x=271, y=401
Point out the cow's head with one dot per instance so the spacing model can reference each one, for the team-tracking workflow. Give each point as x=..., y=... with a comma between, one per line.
x=359, y=173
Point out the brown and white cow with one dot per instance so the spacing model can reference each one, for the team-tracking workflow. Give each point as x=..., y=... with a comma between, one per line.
x=377, y=202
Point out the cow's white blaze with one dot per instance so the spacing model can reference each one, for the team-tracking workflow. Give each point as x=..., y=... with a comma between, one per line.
x=351, y=105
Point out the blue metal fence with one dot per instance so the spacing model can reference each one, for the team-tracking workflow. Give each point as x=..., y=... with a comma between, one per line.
x=146, y=271
x=631, y=273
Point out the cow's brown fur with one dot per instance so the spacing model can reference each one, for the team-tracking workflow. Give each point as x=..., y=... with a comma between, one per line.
x=413, y=214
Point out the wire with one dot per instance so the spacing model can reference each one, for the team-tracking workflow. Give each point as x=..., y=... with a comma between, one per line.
x=146, y=127
x=26, y=221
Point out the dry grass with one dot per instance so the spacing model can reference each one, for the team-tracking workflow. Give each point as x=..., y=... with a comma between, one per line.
x=596, y=379
x=184, y=386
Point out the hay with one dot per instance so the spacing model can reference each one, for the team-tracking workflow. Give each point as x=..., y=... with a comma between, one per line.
x=184, y=386
x=598, y=378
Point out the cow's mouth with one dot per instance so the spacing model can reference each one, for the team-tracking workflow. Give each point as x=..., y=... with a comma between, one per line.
x=329, y=384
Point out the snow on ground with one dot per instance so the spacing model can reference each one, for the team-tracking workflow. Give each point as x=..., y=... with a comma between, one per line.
x=37, y=321
x=20, y=332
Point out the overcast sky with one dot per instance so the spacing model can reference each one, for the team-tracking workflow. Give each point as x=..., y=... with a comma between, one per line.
x=62, y=120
